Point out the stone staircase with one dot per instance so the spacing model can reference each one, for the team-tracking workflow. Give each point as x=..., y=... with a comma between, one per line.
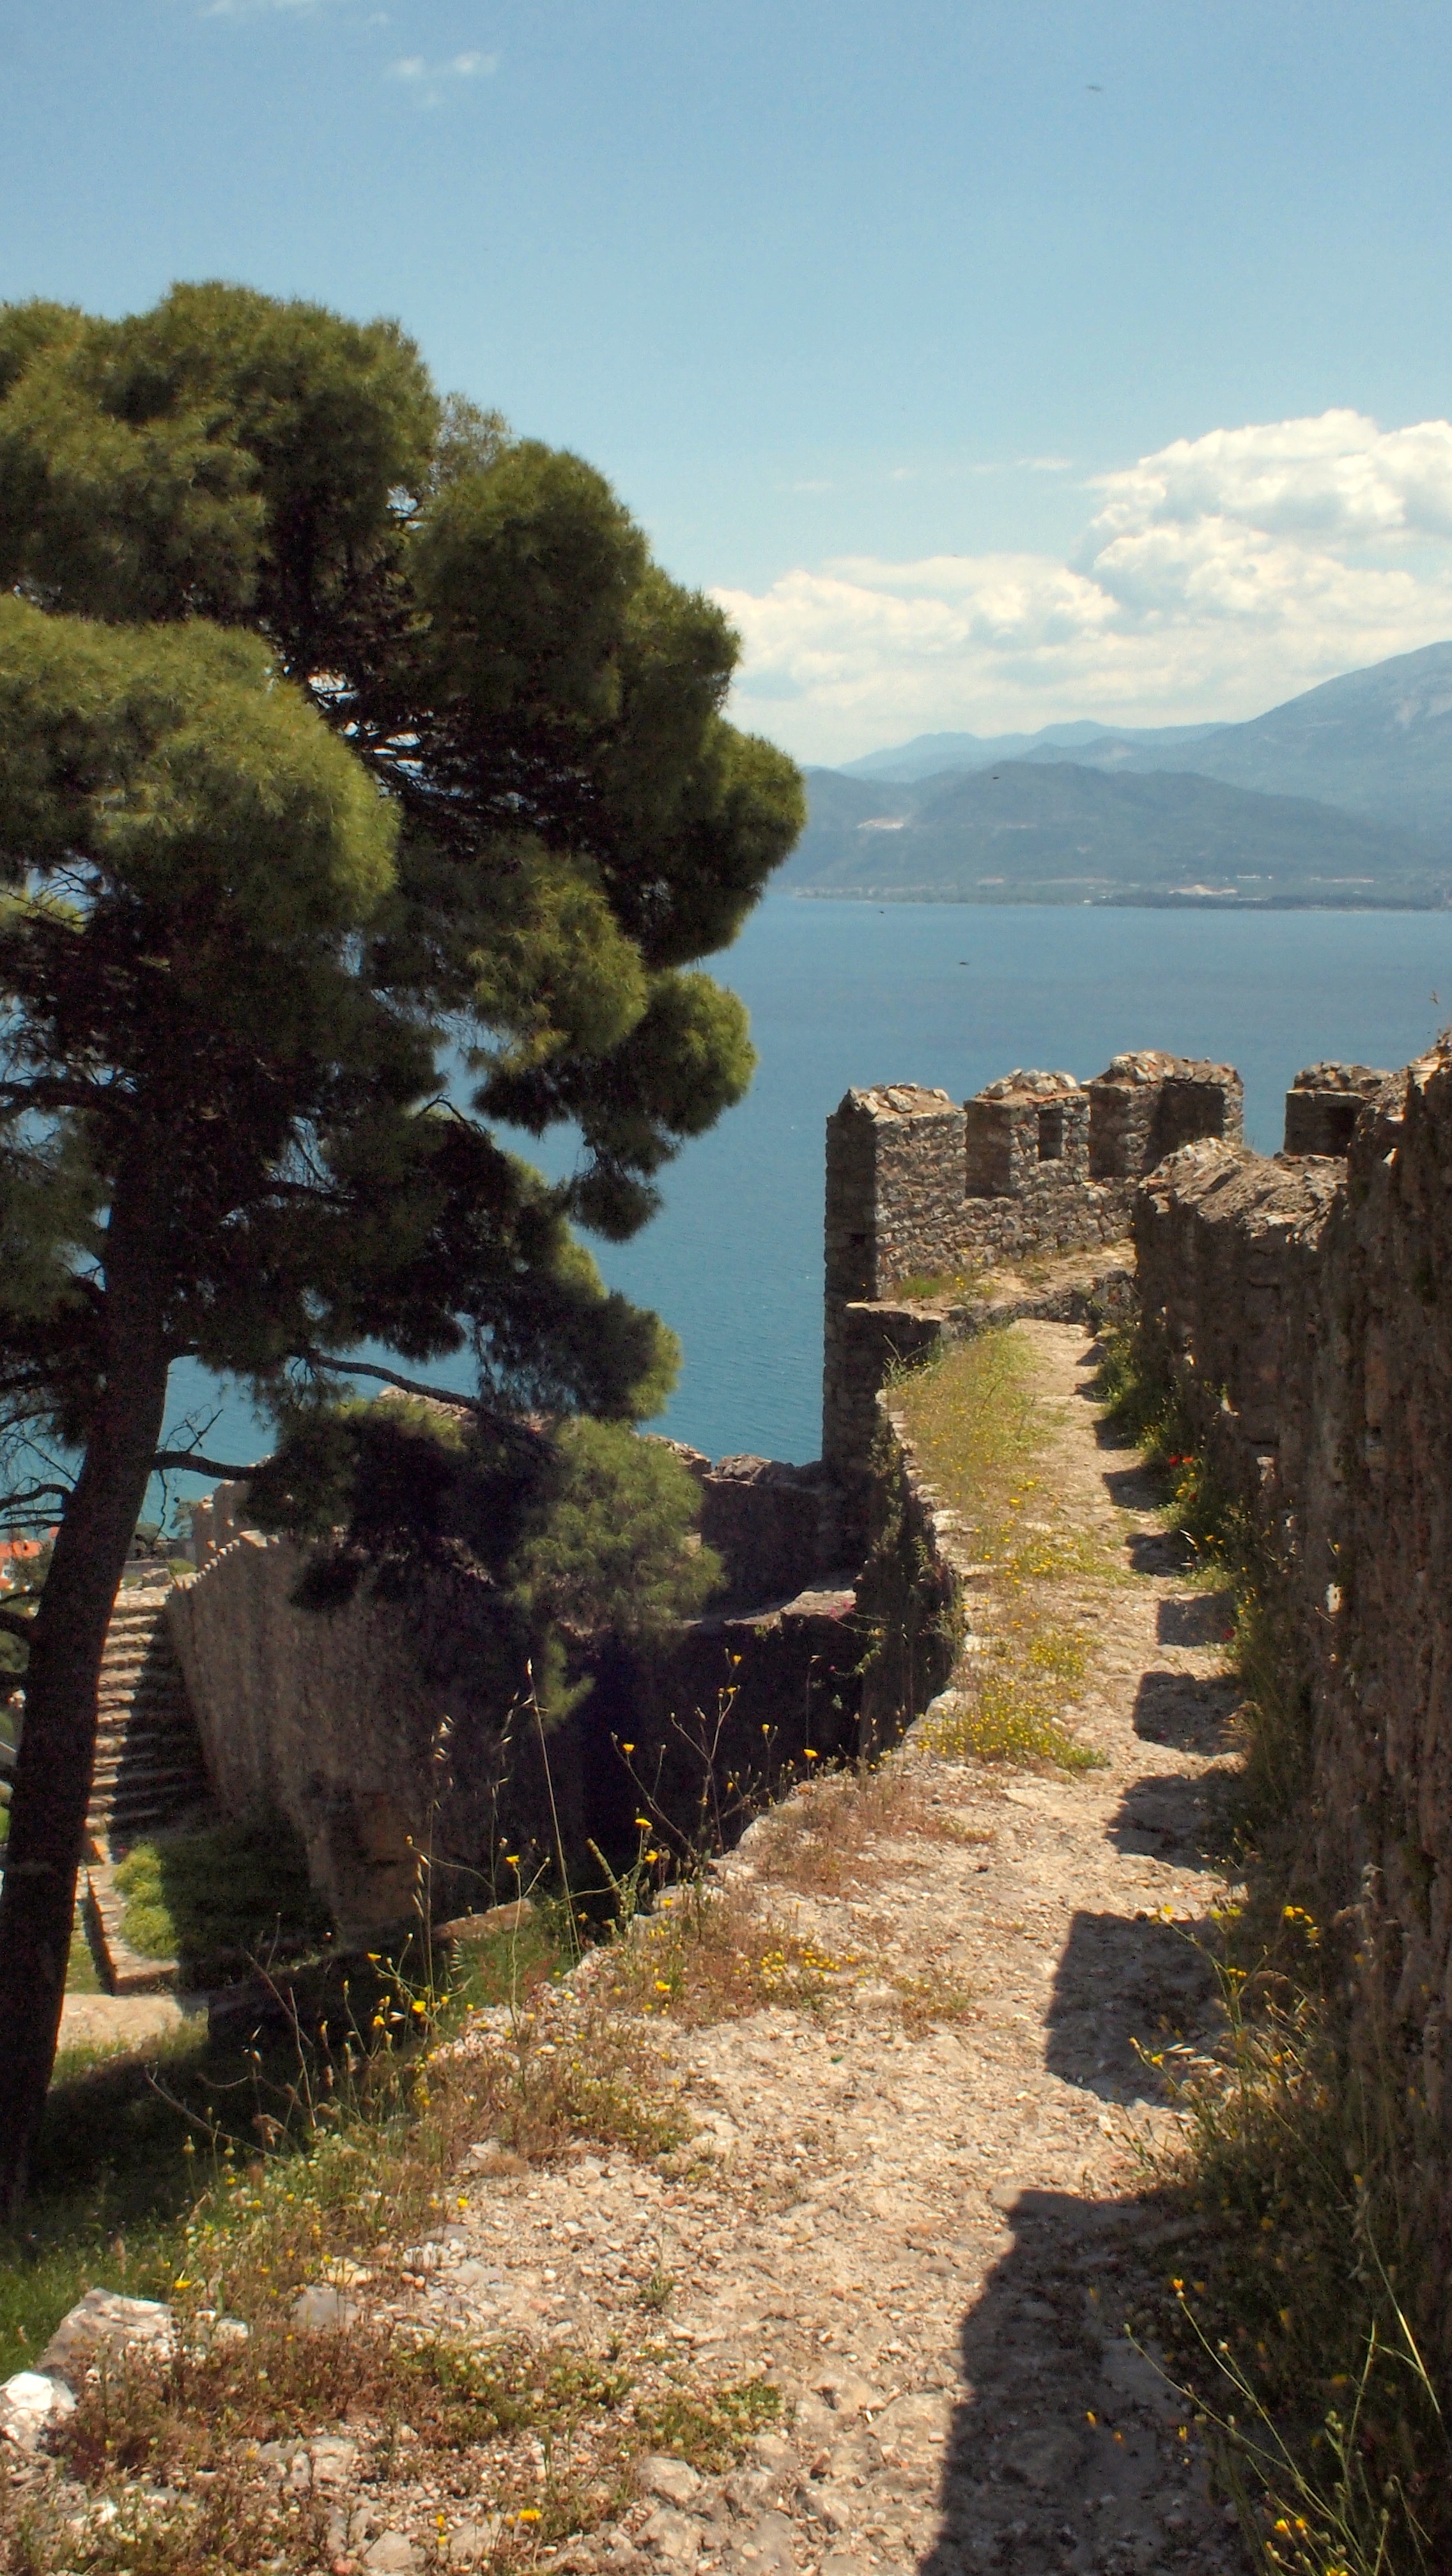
x=149, y=1772
x=148, y=1775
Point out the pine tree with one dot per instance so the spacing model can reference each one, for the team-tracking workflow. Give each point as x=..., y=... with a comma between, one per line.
x=343, y=737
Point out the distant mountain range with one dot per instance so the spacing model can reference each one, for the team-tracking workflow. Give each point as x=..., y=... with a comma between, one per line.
x=1340, y=797
x=929, y=754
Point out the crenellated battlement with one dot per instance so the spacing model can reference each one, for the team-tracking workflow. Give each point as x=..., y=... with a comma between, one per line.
x=920, y=1187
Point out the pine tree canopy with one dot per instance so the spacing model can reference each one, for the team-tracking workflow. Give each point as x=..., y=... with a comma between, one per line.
x=344, y=737
x=346, y=741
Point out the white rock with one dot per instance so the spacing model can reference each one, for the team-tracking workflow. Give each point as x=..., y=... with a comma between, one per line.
x=104, y=2322
x=468, y=2542
x=766, y=2548
x=832, y=2505
x=28, y=2403
x=673, y=2537
x=846, y=2394
x=332, y=2458
x=660, y=2475
x=423, y=2258
x=392, y=2554
x=321, y=2309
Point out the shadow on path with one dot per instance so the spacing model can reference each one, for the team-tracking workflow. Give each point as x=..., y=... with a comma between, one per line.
x=1124, y=1980
x=1064, y=2451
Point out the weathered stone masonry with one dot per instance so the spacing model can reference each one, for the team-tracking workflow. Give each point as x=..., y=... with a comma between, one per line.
x=1304, y=1308
x=920, y=1189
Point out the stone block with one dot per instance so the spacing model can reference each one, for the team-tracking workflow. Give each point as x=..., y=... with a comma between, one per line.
x=772, y=1524
x=1147, y=1104
x=1025, y=1130
x=105, y=2323
x=1324, y=1103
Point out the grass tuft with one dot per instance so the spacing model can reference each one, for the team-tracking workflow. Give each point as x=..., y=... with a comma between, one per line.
x=928, y=1286
x=1291, y=2328
x=717, y=1952
x=981, y=1439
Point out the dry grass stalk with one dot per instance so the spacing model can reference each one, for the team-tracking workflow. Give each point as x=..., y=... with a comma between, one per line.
x=823, y=1840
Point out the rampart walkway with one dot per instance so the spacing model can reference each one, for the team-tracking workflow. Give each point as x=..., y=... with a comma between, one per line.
x=926, y=2215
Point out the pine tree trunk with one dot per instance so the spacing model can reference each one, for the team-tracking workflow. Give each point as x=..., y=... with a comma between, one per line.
x=58, y=1740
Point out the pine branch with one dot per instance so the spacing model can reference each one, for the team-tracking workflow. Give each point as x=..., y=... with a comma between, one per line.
x=196, y=1464
x=405, y=1385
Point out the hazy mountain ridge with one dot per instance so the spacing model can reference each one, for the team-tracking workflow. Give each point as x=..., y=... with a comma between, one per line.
x=1377, y=742
x=928, y=755
x=1059, y=832
x=1340, y=796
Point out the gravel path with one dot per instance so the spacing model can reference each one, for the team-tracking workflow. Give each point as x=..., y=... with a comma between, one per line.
x=924, y=2213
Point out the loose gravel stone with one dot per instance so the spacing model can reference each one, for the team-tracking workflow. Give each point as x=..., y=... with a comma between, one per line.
x=916, y=2209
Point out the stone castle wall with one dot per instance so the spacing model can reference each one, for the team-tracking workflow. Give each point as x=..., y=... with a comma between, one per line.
x=335, y=1720
x=920, y=1191
x=381, y=1730
x=1303, y=1306
x=826, y=1630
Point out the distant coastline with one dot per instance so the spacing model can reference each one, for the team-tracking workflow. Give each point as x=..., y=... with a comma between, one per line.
x=1143, y=899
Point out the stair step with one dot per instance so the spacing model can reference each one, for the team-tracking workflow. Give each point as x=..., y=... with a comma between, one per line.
x=145, y=1702
x=151, y=1762
x=148, y=1770
x=149, y=1783
x=159, y=1718
x=151, y=1730
x=152, y=1686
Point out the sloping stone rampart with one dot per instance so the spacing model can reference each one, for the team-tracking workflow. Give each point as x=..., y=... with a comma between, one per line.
x=331, y=1719
x=1303, y=1307
x=385, y=1734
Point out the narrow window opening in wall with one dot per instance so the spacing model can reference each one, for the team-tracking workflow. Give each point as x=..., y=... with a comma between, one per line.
x=1051, y=1134
x=1341, y=1117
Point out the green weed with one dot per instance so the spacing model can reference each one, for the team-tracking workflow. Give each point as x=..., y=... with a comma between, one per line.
x=928, y=1286
x=1291, y=2329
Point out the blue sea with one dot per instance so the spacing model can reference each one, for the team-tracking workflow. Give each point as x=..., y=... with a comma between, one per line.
x=843, y=993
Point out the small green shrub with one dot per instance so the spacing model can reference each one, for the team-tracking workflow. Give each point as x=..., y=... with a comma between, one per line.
x=1137, y=1398
x=1005, y=1717
x=925, y=1284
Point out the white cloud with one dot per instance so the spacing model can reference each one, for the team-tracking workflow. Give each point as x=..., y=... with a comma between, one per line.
x=1217, y=576
x=428, y=80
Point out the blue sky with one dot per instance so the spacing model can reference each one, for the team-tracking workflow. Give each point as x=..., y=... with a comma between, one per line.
x=996, y=363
